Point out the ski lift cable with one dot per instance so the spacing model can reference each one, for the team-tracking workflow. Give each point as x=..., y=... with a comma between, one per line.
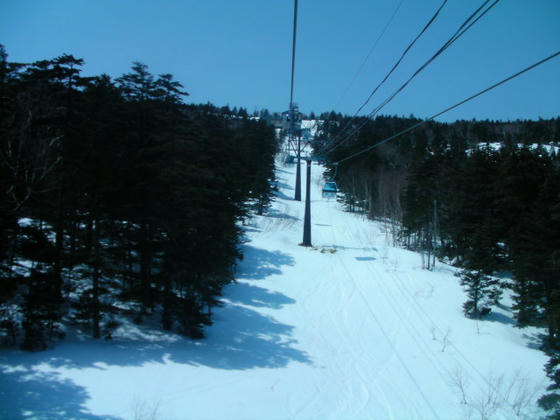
x=460, y=31
x=398, y=62
x=293, y=54
x=405, y=52
x=495, y=85
x=455, y=36
x=463, y=28
x=361, y=68
x=372, y=49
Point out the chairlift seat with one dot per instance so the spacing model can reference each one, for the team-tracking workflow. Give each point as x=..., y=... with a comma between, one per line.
x=290, y=159
x=330, y=189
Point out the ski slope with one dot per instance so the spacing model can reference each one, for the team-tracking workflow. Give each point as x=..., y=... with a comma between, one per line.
x=351, y=328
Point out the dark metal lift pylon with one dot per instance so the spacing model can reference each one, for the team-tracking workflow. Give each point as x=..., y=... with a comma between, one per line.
x=307, y=216
x=293, y=132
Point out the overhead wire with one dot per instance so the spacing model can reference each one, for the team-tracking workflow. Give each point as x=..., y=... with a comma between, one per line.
x=402, y=57
x=372, y=49
x=460, y=31
x=463, y=28
x=397, y=63
x=293, y=54
x=455, y=36
x=360, y=69
x=495, y=85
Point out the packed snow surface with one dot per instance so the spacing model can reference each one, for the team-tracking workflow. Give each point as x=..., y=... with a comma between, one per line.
x=351, y=328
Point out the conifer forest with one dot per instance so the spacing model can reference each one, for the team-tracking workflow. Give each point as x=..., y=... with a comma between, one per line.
x=118, y=198
x=483, y=195
x=121, y=199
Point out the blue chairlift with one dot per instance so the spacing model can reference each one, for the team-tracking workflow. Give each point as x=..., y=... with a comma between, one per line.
x=290, y=160
x=330, y=189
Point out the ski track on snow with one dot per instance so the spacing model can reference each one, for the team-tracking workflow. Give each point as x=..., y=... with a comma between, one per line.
x=346, y=329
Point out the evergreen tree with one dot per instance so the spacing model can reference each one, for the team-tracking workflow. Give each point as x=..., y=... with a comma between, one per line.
x=120, y=194
x=535, y=263
x=482, y=289
x=550, y=402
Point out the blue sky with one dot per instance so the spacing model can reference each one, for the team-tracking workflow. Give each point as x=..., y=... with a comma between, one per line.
x=238, y=52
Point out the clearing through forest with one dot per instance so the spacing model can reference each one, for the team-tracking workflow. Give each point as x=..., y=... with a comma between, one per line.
x=351, y=328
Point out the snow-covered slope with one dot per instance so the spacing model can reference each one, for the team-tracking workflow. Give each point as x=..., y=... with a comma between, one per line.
x=352, y=328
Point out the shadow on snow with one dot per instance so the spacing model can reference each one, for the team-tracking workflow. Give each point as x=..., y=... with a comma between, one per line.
x=365, y=258
x=276, y=214
x=257, y=263
x=283, y=196
x=28, y=393
x=500, y=317
x=35, y=395
x=250, y=295
x=240, y=339
x=284, y=186
x=536, y=341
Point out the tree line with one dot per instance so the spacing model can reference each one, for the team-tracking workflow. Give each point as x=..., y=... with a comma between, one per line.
x=119, y=198
x=484, y=196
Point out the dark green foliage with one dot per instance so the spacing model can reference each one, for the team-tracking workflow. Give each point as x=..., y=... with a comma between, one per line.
x=550, y=402
x=480, y=290
x=119, y=195
x=487, y=210
x=41, y=310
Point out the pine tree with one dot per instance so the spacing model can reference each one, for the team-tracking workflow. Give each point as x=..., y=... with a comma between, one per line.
x=42, y=305
x=482, y=289
x=550, y=402
x=9, y=176
x=120, y=192
x=535, y=262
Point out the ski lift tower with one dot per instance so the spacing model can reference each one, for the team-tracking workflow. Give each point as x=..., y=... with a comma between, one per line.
x=294, y=131
x=294, y=139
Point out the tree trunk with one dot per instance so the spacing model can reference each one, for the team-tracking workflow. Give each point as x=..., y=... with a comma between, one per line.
x=145, y=267
x=13, y=252
x=96, y=312
x=59, y=242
